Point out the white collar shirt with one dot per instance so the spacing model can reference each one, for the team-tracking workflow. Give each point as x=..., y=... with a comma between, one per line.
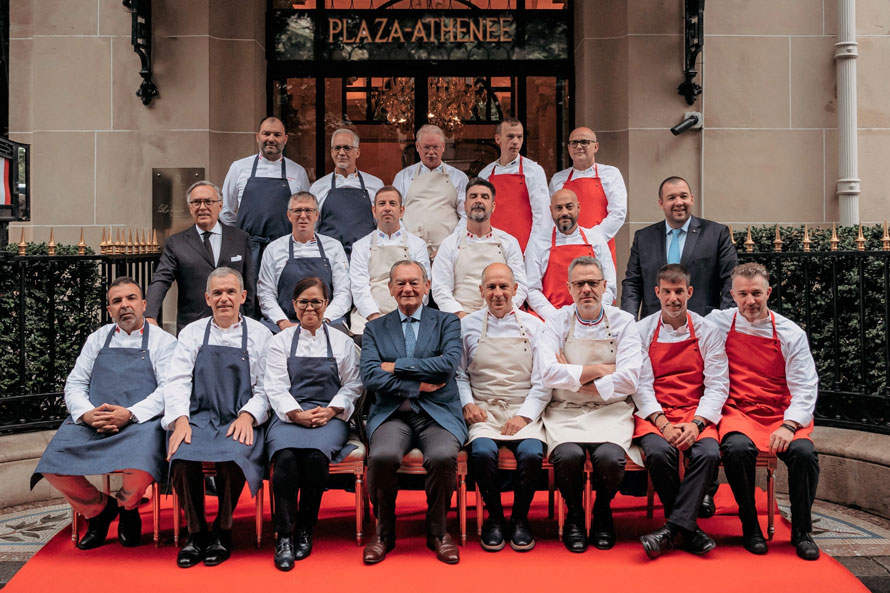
x=535, y=182
x=458, y=178
x=320, y=188
x=614, y=188
x=239, y=173
x=669, y=235
x=215, y=240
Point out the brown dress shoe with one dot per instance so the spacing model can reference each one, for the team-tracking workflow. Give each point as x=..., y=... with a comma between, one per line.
x=445, y=549
x=376, y=549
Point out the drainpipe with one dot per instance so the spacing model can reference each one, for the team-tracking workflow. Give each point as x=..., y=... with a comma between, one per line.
x=845, y=54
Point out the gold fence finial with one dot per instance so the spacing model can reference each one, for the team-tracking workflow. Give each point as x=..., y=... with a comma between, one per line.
x=51, y=246
x=885, y=240
x=154, y=241
x=749, y=242
x=129, y=241
x=118, y=243
x=102, y=244
x=807, y=242
x=860, y=240
x=23, y=247
x=81, y=246
x=777, y=242
x=731, y=238
x=834, y=240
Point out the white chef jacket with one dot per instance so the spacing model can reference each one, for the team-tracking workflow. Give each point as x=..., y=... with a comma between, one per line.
x=535, y=182
x=178, y=390
x=613, y=186
x=446, y=258
x=360, y=275
x=239, y=173
x=537, y=258
x=160, y=348
x=274, y=259
x=276, y=381
x=628, y=358
x=320, y=188
x=710, y=344
x=800, y=369
x=459, y=179
x=506, y=327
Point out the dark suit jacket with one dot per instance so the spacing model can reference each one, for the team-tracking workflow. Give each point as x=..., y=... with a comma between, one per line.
x=186, y=261
x=708, y=255
x=436, y=357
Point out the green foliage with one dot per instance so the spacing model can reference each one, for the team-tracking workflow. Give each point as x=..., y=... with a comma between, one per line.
x=845, y=293
x=63, y=304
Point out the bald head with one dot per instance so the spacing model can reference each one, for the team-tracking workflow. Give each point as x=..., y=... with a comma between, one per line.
x=498, y=288
x=495, y=269
x=564, y=209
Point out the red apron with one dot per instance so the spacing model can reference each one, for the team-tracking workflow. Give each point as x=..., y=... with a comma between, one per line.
x=514, y=209
x=758, y=390
x=679, y=383
x=553, y=283
x=593, y=201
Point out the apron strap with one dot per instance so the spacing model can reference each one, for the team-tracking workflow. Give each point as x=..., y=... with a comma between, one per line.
x=290, y=248
x=569, y=178
x=583, y=236
x=520, y=166
x=207, y=333
x=334, y=180
x=596, y=171
x=321, y=250
x=110, y=336
x=256, y=161
x=772, y=317
x=145, y=325
x=283, y=168
x=295, y=341
x=244, y=335
x=362, y=182
x=657, y=331
x=732, y=325
x=327, y=337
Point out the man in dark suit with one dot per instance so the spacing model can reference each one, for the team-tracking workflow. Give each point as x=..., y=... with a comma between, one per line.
x=410, y=368
x=190, y=256
x=702, y=246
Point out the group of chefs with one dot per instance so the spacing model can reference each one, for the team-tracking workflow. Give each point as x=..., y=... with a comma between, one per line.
x=485, y=318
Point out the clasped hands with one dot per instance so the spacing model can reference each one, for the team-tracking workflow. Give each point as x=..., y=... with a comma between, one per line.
x=474, y=414
x=312, y=418
x=107, y=418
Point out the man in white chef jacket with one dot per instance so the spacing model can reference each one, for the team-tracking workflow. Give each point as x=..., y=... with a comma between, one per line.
x=590, y=356
x=502, y=395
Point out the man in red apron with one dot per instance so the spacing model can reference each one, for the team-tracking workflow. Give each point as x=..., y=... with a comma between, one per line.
x=772, y=396
x=684, y=382
x=600, y=188
x=521, y=186
x=548, y=257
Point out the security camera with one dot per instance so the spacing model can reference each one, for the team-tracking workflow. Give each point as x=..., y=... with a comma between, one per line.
x=691, y=121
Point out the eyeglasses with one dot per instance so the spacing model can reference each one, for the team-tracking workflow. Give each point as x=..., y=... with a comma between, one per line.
x=432, y=147
x=303, y=304
x=343, y=147
x=594, y=283
x=582, y=142
x=205, y=203
x=299, y=211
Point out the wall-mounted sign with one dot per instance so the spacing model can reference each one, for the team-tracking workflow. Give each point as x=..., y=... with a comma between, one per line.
x=367, y=35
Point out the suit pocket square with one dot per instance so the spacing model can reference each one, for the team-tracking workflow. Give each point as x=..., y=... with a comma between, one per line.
x=235, y=258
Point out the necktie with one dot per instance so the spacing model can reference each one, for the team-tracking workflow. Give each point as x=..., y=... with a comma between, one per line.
x=674, y=250
x=207, y=246
x=410, y=338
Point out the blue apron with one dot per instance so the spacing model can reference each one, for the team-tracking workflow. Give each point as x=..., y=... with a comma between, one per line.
x=220, y=388
x=314, y=380
x=262, y=213
x=347, y=214
x=298, y=268
x=122, y=377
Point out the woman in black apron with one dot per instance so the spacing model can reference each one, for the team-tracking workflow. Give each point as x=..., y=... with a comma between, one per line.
x=312, y=382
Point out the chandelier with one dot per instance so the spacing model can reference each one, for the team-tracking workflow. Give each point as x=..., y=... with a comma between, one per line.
x=451, y=102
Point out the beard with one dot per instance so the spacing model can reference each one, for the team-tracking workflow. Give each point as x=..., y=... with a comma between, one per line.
x=566, y=224
x=478, y=215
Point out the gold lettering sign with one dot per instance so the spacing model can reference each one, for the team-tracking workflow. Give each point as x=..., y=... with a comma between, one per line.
x=437, y=29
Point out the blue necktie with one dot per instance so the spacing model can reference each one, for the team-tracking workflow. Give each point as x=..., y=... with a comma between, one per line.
x=410, y=338
x=674, y=250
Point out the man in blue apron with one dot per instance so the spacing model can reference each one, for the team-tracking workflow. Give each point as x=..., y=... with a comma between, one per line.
x=115, y=396
x=216, y=413
x=345, y=197
x=257, y=188
x=301, y=254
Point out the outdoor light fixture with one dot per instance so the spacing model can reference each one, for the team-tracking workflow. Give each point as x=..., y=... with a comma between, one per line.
x=691, y=121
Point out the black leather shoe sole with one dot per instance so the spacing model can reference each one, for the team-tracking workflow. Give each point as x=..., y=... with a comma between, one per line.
x=523, y=546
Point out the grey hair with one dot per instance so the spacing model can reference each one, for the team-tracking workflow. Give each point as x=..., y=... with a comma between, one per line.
x=408, y=262
x=430, y=129
x=355, y=138
x=222, y=272
x=202, y=183
x=585, y=260
x=302, y=195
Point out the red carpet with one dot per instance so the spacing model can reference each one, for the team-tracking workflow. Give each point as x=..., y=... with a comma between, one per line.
x=335, y=563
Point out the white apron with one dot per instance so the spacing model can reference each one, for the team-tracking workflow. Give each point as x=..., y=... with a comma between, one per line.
x=472, y=259
x=501, y=377
x=379, y=264
x=431, y=208
x=574, y=417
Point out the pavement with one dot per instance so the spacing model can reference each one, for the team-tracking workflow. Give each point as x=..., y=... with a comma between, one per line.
x=858, y=540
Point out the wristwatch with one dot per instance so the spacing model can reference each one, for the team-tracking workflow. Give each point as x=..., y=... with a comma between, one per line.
x=700, y=425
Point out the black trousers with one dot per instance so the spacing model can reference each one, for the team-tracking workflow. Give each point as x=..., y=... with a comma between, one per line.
x=298, y=470
x=681, y=499
x=188, y=481
x=608, y=471
x=529, y=455
x=400, y=433
x=739, y=459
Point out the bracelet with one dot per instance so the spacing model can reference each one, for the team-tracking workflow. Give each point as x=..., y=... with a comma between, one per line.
x=664, y=427
x=655, y=420
x=790, y=428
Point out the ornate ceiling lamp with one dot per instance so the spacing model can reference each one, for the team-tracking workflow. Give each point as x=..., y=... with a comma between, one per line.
x=451, y=102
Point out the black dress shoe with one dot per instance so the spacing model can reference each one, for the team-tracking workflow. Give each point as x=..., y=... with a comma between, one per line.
x=806, y=547
x=302, y=542
x=658, y=542
x=707, y=508
x=219, y=549
x=284, y=553
x=492, y=538
x=602, y=532
x=521, y=538
x=574, y=536
x=97, y=527
x=698, y=542
x=755, y=543
x=129, y=528
x=193, y=551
